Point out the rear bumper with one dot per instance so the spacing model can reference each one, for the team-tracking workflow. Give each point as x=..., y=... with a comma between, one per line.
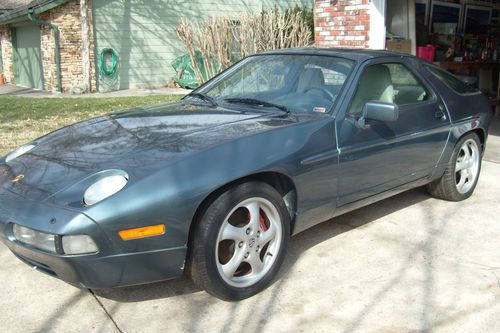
x=110, y=267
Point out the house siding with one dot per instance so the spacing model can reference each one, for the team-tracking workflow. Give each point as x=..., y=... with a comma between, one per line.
x=143, y=33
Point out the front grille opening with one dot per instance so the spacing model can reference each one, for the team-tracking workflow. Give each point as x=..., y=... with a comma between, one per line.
x=37, y=265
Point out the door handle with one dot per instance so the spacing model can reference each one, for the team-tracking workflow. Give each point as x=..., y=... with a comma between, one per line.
x=440, y=114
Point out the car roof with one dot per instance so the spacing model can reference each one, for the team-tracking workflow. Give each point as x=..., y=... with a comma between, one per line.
x=354, y=54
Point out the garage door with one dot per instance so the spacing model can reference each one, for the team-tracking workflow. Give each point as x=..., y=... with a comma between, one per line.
x=27, y=56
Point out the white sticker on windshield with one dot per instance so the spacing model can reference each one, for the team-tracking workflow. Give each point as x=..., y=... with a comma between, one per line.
x=319, y=109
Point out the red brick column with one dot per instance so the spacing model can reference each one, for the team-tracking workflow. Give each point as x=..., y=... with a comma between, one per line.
x=342, y=23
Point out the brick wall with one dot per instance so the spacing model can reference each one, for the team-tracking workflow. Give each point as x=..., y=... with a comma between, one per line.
x=342, y=23
x=67, y=18
x=6, y=42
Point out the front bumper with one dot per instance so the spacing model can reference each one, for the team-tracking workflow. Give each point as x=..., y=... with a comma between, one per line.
x=107, y=269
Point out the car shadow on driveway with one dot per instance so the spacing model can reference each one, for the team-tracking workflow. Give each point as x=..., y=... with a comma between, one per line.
x=297, y=246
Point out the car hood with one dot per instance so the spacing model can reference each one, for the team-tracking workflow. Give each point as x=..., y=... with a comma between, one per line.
x=139, y=141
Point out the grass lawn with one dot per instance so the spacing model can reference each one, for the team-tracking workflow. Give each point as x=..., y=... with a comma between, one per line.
x=23, y=119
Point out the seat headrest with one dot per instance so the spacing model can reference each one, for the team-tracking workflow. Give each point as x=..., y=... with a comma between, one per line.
x=310, y=77
x=375, y=84
x=379, y=74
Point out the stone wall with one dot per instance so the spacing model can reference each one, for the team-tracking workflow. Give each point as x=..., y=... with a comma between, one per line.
x=342, y=23
x=6, y=53
x=67, y=18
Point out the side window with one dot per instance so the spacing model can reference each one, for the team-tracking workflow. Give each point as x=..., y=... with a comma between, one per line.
x=451, y=81
x=407, y=88
x=389, y=83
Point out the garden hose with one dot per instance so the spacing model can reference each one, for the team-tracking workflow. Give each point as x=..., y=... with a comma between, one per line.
x=108, y=69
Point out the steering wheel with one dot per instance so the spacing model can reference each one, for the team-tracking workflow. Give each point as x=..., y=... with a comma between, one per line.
x=322, y=89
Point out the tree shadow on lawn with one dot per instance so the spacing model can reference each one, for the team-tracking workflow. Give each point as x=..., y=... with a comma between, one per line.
x=298, y=245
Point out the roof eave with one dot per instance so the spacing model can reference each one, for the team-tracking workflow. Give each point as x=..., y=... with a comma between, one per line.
x=21, y=14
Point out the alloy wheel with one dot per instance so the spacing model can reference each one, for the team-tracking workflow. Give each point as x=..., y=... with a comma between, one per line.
x=248, y=242
x=467, y=166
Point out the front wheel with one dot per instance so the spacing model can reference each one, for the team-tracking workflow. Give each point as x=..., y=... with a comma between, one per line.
x=240, y=241
x=462, y=173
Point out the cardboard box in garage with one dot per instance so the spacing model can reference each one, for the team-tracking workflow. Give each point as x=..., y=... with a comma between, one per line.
x=399, y=45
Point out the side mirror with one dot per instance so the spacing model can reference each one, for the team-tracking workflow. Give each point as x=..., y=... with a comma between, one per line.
x=381, y=111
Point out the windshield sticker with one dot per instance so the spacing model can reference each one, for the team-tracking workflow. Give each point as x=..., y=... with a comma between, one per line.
x=319, y=109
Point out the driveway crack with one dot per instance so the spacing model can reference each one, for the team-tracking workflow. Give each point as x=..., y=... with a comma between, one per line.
x=106, y=311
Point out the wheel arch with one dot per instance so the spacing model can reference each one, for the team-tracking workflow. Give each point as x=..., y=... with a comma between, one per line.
x=481, y=133
x=279, y=181
x=444, y=186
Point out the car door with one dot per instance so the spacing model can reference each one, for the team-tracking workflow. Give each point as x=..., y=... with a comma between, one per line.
x=380, y=156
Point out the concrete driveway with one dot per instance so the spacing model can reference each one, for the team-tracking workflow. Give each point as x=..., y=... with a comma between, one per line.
x=408, y=263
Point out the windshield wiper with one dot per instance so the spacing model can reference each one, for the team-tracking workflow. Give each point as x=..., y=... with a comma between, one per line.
x=204, y=97
x=255, y=101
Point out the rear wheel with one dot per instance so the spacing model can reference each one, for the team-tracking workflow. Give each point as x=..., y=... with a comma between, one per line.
x=240, y=241
x=462, y=173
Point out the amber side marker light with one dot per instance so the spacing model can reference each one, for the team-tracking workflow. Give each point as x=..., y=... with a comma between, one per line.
x=152, y=230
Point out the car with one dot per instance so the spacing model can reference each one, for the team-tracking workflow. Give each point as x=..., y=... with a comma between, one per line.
x=215, y=185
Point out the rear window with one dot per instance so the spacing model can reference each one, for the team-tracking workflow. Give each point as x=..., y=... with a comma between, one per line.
x=452, y=81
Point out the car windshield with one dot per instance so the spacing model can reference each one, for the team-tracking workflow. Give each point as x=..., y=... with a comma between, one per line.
x=292, y=83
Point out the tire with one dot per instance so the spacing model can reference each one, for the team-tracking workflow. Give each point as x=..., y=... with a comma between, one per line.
x=239, y=243
x=462, y=173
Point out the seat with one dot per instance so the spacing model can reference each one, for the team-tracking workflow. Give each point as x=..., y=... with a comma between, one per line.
x=305, y=99
x=310, y=78
x=374, y=85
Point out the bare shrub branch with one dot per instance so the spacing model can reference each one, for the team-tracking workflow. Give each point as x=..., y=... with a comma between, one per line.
x=220, y=41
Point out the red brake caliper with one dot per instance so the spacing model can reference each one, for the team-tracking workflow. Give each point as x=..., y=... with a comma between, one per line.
x=263, y=225
x=262, y=221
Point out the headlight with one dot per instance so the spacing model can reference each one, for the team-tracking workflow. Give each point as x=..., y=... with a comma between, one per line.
x=18, y=152
x=78, y=244
x=40, y=240
x=104, y=188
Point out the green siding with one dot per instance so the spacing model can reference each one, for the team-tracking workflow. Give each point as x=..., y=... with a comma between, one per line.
x=27, y=56
x=143, y=33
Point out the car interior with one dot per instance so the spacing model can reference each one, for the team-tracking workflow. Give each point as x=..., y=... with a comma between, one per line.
x=379, y=84
x=301, y=86
x=374, y=85
x=311, y=92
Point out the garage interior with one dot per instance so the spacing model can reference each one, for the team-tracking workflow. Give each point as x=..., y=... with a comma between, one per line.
x=462, y=36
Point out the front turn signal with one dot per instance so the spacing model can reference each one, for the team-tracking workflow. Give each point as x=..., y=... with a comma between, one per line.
x=152, y=230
